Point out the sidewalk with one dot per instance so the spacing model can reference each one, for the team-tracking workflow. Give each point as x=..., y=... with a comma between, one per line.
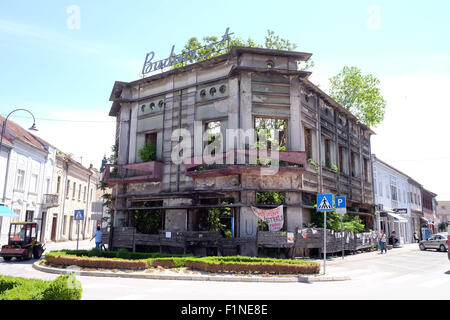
x=370, y=255
x=72, y=245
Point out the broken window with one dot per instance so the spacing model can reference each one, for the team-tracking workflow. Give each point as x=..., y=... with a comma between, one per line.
x=148, y=221
x=308, y=143
x=328, y=153
x=218, y=218
x=367, y=175
x=271, y=133
x=343, y=159
x=213, y=132
x=355, y=167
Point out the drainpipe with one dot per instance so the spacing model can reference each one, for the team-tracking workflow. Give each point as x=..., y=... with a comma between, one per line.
x=87, y=201
x=6, y=178
x=66, y=164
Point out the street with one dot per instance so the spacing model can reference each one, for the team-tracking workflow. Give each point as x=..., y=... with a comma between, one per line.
x=407, y=273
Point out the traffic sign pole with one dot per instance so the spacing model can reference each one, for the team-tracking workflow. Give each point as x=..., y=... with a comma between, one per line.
x=342, y=234
x=78, y=216
x=78, y=236
x=324, y=242
x=324, y=204
x=341, y=208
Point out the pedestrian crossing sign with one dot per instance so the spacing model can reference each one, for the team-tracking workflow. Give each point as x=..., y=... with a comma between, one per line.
x=325, y=202
x=78, y=215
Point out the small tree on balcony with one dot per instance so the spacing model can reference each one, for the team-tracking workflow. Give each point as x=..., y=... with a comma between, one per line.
x=147, y=152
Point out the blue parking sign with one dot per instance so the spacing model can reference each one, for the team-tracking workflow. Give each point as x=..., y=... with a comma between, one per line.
x=325, y=202
x=340, y=202
x=78, y=215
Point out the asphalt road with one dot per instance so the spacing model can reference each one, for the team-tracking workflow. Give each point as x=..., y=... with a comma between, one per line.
x=406, y=273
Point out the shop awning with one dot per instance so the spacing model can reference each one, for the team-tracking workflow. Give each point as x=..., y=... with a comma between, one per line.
x=7, y=212
x=398, y=217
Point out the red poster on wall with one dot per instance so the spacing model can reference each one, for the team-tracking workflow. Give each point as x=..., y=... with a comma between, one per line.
x=273, y=217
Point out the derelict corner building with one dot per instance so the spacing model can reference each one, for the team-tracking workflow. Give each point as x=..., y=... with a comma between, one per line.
x=323, y=149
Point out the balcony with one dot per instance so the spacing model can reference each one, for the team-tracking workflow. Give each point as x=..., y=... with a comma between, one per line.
x=238, y=161
x=50, y=201
x=132, y=173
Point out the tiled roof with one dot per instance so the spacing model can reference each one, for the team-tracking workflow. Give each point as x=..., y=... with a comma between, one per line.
x=14, y=131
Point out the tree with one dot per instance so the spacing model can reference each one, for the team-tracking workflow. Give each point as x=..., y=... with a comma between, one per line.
x=204, y=52
x=359, y=94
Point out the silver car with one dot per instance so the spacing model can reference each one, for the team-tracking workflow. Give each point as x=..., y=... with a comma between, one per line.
x=435, y=241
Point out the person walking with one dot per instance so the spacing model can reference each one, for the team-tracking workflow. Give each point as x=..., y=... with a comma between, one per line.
x=382, y=240
x=416, y=238
x=98, y=238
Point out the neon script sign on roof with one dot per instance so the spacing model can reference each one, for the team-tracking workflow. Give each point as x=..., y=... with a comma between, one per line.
x=173, y=59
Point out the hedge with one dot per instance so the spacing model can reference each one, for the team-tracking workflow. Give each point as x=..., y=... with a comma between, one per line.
x=279, y=268
x=65, y=287
x=121, y=253
x=113, y=263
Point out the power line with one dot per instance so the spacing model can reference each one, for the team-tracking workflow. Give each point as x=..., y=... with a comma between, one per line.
x=66, y=120
x=434, y=159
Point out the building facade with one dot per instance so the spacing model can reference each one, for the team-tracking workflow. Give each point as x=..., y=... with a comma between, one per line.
x=415, y=202
x=322, y=148
x=76, y=187
x=391, y=189
x=443, y=213
x=42, y=184
x=26, y=168
x=429, y=209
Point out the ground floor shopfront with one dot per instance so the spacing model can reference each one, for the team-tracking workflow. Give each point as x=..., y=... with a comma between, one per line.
x=396, y=225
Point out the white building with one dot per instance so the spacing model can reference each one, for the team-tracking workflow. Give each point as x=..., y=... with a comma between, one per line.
x=42, y=184
x=26, y=168
x=391, y=191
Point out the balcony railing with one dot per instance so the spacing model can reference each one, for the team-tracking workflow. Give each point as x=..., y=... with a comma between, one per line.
x=132, y=173
x=50, y=200
x=237, y=161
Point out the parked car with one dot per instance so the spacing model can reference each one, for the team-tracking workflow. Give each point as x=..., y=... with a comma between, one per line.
x=448, y=243
x=435, y=241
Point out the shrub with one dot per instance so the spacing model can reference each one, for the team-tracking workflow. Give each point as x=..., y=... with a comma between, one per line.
x=94, y=253
x=28, y=290
x=147, y=152
x=7, y=283
x=65, y=287
x=175, y=262
x=123, y=254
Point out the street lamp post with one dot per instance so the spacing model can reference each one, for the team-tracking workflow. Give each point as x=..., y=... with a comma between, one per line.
x=33, y=127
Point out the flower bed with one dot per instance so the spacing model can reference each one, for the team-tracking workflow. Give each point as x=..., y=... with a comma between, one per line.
x=88, y=262
x=252, y=265
x=211, y=264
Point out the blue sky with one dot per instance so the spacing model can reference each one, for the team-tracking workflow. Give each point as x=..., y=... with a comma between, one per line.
x=67, y=74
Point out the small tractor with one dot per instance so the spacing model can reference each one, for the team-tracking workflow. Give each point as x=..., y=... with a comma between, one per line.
x=22, y=242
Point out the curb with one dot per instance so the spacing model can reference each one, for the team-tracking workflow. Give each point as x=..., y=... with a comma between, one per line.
x=191, y=278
